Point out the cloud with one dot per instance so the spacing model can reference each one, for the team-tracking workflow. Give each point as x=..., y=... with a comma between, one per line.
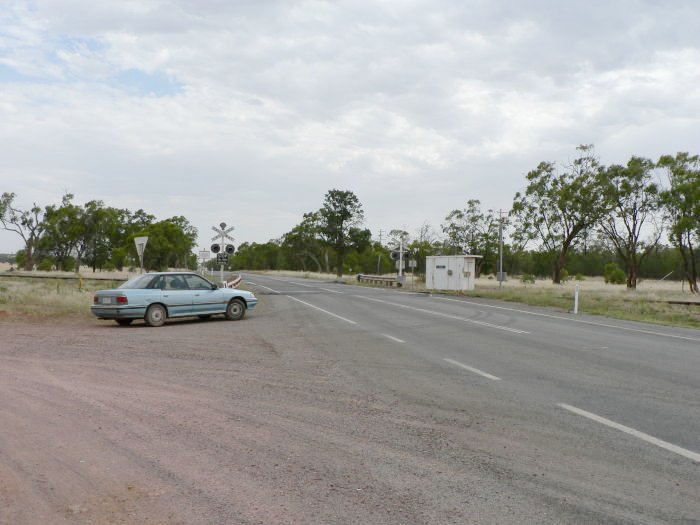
x=255, y=109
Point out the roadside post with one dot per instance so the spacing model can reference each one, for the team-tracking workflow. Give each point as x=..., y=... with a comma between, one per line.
x=140, y=243
x=222, y=250
x=576, y=300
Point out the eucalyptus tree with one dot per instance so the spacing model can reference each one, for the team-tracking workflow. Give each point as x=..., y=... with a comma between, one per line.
x=632, y=200
x=170, y=244
x=340, y=219
x=681, y=202
x=559, y=204
x=63, y=228
x=303, y=244
x=472, y=231
x=28, y=224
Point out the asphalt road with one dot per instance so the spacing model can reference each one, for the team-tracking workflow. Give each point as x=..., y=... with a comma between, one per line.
x=601, y=415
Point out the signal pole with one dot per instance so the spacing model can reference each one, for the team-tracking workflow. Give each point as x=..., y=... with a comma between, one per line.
x=500, y=248
x=223, y=233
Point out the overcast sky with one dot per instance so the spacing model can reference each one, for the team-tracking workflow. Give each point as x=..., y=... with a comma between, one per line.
x=248, y=112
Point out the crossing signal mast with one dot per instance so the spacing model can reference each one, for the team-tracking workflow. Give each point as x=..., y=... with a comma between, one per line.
x=221, y=249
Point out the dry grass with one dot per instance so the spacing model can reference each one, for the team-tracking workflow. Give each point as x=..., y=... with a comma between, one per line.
x=41, y=297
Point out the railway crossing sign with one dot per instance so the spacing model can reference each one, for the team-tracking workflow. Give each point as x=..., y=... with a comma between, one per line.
x=221, y=249
x=222, y=233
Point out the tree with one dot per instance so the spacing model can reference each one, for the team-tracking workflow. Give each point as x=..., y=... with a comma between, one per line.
x=303, y=242
x=558, y=207
x=170, y=243
x=681, y=202
x=339, y=222
x=474, y=232
x=64, y=226
x=632, y=199
x=28, y=224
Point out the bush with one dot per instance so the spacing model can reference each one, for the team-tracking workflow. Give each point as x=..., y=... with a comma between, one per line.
x=614, y=274
x=527, y=278
x=46, y=265
x=565, y=275
x=579, y=277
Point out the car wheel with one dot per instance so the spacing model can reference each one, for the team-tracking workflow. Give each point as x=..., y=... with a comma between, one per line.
x=124, y=322
x=204, y=316
x=235, y=310
x=155, y=315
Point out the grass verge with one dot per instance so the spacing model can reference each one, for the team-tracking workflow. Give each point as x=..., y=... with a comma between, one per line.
x=633, y=307
x=42, y=297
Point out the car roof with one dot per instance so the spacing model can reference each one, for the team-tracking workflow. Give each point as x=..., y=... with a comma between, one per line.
x=171, y=273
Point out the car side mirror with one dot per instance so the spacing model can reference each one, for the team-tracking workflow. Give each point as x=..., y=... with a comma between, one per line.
x=214, y=286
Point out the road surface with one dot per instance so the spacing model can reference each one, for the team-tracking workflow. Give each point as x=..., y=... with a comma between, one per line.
x=334, y=403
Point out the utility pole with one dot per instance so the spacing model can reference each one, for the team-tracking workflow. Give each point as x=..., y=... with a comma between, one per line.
x=379, y=257
x=500, y=248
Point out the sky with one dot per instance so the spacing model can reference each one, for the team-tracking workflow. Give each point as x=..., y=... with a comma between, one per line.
x=247, y=112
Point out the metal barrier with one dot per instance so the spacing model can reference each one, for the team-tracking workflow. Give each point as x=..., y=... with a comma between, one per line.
x=378, y=279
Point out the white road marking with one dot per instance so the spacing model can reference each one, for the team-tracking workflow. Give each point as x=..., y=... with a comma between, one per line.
x=471, y=369
x=329, y=290
x=322, y=310
x=448, y=316
x=636, y=433
x=660, y=334
x=300, y=284
x=267, y=288
x=396, y=339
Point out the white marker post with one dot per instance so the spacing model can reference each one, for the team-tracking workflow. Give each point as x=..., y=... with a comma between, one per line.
x=576, y=300
x=140, y=243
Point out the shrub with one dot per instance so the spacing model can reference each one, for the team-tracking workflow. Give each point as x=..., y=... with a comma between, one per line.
x=579, y=277
x=614, y=274
x=527, y=278
x=46, y=265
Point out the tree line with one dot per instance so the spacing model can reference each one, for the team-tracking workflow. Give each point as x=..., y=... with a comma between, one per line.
x=579, y=217
x=68, y=235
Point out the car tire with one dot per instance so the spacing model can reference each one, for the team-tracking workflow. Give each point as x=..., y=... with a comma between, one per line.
x=155, y=315
x=235, y=310
x=124, y=322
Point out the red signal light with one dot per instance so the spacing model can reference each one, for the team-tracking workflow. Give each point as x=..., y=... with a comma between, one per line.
x=122, y=300
x=95, y=300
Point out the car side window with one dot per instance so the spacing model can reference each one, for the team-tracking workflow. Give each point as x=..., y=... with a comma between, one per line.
x=195, y=282
x=175, y=282
x=157, y=283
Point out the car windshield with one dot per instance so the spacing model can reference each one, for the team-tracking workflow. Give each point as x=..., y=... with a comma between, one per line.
x=140, y=281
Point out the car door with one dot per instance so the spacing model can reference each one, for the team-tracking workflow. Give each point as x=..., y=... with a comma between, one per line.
x=205, y=300
x=177, y=296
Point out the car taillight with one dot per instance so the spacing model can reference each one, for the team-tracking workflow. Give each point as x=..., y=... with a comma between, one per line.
x=122, y=300
x=95, y=300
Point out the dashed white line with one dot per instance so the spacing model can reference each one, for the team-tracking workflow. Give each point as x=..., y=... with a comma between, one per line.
x=538, y=314
x=395, y=339
x=267, y=288
x=472, y=369
x=636, y=433
x=448, y=316
x=329, y=290
x=300, y=284
x=322, y=310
